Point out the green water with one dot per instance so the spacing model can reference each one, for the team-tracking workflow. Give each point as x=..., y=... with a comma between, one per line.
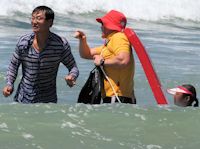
x=118, y=126
x=173, y=45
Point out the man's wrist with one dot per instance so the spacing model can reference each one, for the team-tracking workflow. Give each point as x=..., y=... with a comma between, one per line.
x=10, y=85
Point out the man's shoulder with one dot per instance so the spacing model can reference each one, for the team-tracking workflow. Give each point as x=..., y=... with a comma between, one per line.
x=25, y=40
x=57, y=38
x=119, y=35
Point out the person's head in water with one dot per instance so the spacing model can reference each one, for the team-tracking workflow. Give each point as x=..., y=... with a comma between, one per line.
x=42, y=18
x=113, y=21
x=184, y=95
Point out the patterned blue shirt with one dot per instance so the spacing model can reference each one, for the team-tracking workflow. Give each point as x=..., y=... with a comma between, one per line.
x=39, y=69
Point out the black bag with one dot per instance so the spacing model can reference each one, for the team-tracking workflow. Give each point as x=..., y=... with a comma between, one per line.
x=91, y=91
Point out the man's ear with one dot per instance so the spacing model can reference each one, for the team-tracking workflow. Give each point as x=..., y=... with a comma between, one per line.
x=50, y=22
x=187, y=98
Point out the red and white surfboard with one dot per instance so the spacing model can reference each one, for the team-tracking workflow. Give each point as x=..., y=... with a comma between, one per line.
x=147, y=66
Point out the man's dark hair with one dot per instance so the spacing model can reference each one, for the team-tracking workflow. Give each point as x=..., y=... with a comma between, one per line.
x=192, y=89
x=49, y=13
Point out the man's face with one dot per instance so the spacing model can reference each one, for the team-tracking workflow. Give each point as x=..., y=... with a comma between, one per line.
x=105, y=31
x=39, y=22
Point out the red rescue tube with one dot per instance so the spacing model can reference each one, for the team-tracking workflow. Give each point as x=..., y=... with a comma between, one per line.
x=147, y=66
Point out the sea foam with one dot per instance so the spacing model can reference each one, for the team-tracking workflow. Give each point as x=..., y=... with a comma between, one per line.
x=140, y=10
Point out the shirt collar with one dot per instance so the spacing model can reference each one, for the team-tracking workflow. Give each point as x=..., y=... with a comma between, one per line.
x=107, y=39
x=110, y=35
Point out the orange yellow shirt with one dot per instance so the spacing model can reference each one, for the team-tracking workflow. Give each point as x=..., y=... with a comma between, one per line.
x=121, y=78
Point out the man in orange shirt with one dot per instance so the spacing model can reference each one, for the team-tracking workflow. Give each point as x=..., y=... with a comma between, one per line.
x=115, y=56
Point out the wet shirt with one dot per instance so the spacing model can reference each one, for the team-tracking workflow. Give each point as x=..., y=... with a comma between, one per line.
x=121, y=79
x=39, y=70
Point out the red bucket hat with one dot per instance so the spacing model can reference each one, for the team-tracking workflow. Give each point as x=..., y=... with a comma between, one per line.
x=113, y=20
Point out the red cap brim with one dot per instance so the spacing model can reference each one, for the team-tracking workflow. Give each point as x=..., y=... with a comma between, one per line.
x=108, y=24
x=178, y=89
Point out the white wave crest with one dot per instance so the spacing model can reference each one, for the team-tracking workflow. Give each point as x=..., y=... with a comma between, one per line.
x=143, y=9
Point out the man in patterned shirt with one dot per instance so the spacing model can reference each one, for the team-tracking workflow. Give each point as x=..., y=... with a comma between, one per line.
x=40, y=54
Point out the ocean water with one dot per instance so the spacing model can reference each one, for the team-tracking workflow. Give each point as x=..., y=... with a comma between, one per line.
x=170, y=32
x=98, y=127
